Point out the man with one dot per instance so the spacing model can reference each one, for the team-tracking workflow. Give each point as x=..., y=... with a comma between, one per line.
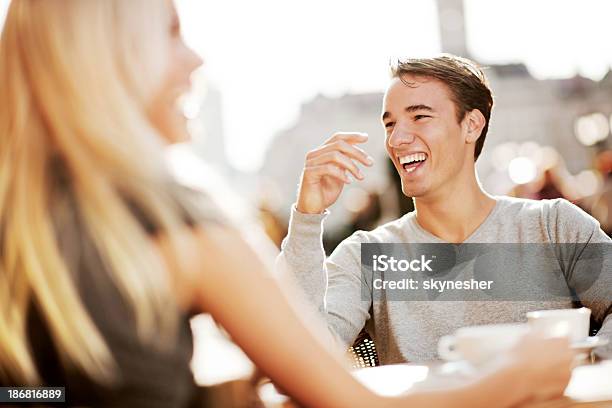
x=436, y=115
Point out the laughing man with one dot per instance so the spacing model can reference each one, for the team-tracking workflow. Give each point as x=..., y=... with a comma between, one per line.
x=436, y=115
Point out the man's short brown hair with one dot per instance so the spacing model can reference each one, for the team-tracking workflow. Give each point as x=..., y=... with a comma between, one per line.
x=465, y=79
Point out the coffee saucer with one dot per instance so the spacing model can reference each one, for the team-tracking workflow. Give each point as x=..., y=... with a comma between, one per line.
x=589, y=343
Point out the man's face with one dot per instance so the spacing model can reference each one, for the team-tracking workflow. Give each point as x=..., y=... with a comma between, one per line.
x=423, y=138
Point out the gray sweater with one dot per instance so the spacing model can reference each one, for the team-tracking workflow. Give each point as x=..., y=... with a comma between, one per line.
x=409, y=330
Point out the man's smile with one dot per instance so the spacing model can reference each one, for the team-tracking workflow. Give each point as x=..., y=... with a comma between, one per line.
x=412, y=161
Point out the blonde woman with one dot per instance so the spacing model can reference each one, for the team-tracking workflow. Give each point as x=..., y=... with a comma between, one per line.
x=103, y=257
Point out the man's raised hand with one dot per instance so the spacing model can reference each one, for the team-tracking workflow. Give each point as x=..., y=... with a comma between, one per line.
x=326, y=171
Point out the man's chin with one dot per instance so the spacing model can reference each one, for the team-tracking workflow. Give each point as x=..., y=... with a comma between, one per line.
x=414, y=191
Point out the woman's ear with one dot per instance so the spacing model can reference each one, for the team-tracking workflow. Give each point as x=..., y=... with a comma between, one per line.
x=475, y=122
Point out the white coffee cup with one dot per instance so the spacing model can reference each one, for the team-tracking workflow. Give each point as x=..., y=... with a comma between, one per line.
x=573, y=323
x=479, y=344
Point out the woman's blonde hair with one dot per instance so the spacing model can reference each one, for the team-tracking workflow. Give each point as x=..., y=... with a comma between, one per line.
x=75, y=78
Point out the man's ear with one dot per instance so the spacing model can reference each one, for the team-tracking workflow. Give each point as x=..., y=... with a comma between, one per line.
x=474, y=122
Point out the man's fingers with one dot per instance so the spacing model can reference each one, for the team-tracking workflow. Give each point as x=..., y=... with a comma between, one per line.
x=328, y=169
x=348, y=149
x=352, y=151
x=339, y=159
x=349, y=137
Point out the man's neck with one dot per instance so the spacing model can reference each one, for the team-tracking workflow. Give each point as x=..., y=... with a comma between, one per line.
x=456, y=212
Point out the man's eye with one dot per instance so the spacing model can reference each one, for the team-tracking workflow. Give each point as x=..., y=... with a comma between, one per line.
x=417, y=117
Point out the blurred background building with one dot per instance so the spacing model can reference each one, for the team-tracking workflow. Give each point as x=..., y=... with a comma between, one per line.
x=538, y=128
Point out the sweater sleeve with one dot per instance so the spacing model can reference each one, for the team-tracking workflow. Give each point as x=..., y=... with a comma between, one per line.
x=333, y=286
x=586, y=262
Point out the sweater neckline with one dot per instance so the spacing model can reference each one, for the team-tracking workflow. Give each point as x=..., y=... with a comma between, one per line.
x=434, y=239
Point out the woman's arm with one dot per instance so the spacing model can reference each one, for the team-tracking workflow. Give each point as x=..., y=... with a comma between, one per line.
x=243, y=296
x=231, y=283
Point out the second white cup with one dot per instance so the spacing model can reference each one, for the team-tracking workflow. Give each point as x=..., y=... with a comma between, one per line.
x=573, y=323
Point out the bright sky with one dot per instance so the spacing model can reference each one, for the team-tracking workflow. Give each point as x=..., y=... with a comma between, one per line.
x=268, y=57
x=555, y=38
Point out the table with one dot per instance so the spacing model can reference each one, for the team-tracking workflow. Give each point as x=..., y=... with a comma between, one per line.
x=589, y=387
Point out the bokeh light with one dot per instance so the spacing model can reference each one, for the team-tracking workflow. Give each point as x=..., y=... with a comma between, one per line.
x=522, y=170
x=592, y=129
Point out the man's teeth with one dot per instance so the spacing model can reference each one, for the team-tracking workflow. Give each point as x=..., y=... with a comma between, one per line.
x=412, y=158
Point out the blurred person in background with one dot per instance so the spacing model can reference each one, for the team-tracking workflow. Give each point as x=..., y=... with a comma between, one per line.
x=600, y=203
x=553, y=181
x=104, y=257
x=436, y=114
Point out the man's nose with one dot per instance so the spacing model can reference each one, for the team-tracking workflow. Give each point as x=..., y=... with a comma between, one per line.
x=401, y=135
